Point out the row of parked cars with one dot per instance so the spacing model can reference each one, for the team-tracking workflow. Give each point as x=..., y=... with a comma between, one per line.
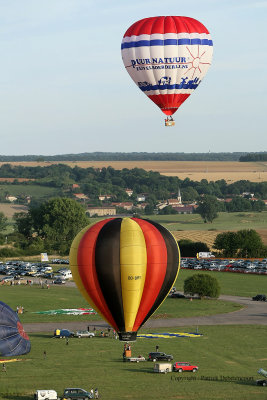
x=14, y=270
x=227, y=265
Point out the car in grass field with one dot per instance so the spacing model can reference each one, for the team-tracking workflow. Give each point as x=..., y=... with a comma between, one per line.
x=177, y=295
x=63, y=333
x=259, y=297
x=184, y=366
x=81, y=334
x=77, y=393
x=159, y=356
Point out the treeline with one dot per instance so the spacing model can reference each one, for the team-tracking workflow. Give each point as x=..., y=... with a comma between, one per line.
x=254, y=157
x=108, y=181
x=134, y=156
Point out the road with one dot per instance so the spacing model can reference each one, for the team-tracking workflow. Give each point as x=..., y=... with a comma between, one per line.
x=252, y=313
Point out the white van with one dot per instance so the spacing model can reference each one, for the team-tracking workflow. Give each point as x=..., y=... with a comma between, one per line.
x=66, y=274
x=45, y=395
x=163, y=367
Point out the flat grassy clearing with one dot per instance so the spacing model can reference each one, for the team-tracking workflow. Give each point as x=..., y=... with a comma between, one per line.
x=195, y=170
x=233, y=284
x=33, y=299
x=36, y=191
x=224, y=222
x=228, y=358
x=10, y=209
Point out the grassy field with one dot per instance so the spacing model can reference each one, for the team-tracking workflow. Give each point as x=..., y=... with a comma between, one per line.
x=33, y=299
x=228, y=358
x=36, y=191
x=195, y=170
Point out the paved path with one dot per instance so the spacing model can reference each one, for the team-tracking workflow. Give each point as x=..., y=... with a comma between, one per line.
x=253, y=313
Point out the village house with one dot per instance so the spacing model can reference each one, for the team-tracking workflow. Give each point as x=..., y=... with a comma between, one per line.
x=101, y=211
x=127, y=205
x=129, y=192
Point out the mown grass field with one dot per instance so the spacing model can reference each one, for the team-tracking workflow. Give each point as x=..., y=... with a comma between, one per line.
x=34, y=299
x=228, y=358
x=195, y=170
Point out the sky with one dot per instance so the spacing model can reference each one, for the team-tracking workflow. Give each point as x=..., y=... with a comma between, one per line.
x=64, y=88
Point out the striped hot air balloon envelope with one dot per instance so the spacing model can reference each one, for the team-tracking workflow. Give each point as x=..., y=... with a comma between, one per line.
x=125, y=267
x=13, y=339
x=167, y=58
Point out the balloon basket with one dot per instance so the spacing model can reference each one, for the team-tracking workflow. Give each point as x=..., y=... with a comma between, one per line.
x=169, y=122
x=127, y=336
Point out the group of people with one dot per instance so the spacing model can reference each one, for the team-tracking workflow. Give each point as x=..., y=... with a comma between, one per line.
x=94, y=394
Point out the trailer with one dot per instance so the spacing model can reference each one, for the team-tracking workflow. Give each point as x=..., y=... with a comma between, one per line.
x=135, y=359
x=162, y=367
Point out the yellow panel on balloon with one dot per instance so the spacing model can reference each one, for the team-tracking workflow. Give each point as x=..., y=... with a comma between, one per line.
x=133, y=261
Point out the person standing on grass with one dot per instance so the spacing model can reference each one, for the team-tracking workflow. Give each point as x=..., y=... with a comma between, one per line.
x=4, y=367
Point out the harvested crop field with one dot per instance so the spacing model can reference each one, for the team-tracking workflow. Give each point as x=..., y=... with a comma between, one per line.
x=10, y=209
x=195, y=170
x=208, y=237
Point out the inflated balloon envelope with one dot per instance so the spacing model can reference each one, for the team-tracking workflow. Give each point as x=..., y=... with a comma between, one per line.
x=13, y=339
x=125, y=267
x=167, y=57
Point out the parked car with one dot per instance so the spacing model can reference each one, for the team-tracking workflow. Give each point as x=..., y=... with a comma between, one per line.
x=77, y=393
x=177, y=295
x=80, y=334
x=63, y=333
x=184, y=366
x=159, y=356
x=59, y=281
x=259, y=297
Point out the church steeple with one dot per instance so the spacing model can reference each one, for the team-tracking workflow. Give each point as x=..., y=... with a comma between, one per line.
x=179, y=197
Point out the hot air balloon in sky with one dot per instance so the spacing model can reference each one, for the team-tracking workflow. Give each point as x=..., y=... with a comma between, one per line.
x=13, y=340
x=125, y=267
x=167, y=58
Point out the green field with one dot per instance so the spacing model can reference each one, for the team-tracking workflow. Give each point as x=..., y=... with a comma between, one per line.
x=225, y=221
x=35, y=191
x=228, y=359
x=33, y=299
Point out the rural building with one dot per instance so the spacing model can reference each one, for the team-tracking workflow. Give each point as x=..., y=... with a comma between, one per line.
x=127, y=205
x=141, y=197
x=102, y=197
x=189, y=209
x=101, y=211
x=129, y=192
x=11, y=198
x=80, y=196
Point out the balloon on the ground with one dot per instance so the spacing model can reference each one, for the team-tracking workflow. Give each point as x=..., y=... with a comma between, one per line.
x=13, y=339
x=125, y=267
x=167, y=58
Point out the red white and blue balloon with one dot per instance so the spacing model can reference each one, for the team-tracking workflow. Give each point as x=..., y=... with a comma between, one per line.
x=167, y=57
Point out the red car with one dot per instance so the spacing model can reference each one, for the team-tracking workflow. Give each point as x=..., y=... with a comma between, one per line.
x=184, y=366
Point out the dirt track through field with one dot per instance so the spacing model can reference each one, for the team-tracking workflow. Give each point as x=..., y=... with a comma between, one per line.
x=252, y=313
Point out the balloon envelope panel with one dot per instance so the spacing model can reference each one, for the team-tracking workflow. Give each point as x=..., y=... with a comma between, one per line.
x=13, y=340
x=167, y=57
x=127, y=267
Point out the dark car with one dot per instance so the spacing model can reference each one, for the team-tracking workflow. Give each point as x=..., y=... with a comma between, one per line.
x=261, y=382
x=259, y=297
x=76, y=393
x=159, y=356
x=177, y=295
